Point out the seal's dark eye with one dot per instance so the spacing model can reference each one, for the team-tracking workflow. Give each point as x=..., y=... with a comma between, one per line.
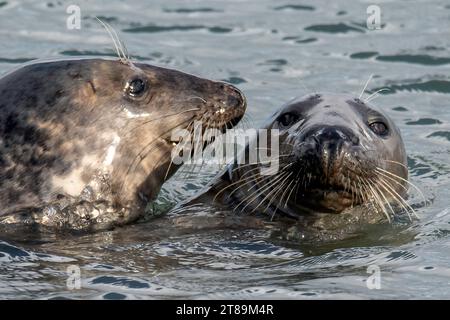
x=287, y=119
x=135, y=87
x=379, y=128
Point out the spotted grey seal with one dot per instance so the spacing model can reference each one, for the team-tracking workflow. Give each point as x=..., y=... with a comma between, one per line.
x=336, y=153
x=86, y=143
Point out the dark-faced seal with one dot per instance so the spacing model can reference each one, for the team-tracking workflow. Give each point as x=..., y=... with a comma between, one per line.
x=85, y=144
x=336, y=152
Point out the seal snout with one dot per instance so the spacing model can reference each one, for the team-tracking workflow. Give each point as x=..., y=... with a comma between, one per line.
x=227, y=106
x=327, y=153
x=333, y=136
x=234, y=97
x=232, y=102
x=325, y=143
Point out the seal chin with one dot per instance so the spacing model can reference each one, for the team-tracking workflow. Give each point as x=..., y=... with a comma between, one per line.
x=326, y=199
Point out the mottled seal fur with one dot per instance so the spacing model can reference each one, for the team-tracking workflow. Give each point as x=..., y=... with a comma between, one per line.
x=86, y=143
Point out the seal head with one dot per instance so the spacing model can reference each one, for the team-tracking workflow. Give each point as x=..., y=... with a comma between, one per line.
x=342, y=152
x=335, y=152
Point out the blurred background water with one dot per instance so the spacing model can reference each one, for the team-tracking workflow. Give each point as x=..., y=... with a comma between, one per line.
x=273, y=51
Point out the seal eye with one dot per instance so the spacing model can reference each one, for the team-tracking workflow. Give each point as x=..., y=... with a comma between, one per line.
x=135, y=87
x=379, y=128
x=287, y=119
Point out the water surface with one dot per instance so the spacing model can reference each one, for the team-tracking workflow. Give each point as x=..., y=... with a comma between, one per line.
x=273, y=51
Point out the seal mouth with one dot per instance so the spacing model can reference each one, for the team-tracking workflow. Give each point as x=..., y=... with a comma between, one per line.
x=213, y=119
x=331, y=191
x=221, y=124
x=329, y=198
x=222, y=119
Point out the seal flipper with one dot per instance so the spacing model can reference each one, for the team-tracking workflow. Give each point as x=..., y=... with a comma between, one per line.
x=82, y=216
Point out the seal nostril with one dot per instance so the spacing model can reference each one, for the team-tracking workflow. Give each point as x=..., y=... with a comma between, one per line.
x=235, y=98
x=307, y=148
x=233, y=101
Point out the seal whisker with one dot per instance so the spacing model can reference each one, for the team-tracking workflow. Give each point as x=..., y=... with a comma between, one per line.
x=288, y=197
x=393, y=180
x=161, y=158
x=252, y=171
x=400, y=198
x=376, y=199
x=283, y=187
x=252, y=178
x=271, y=196
x=258, y=177
x=107, y=28
x=280, y=181
x=122, y=47
x=297, y=185
x=360, y=191
x=248, y=171
x=376, y=185
x=364, y=193
x=354, y=195
x=395, y=162
x=187, y=173
x=230, y=185
x=281, y=199
x=198, y=146
x=140, y=156
x=260, y=162
x=372, y=96
x=168, y=170
x=259, y=192
x=208, y=138
x=159, y=118
x=404, y=180
x=285, y=176
x=197, y=97
x=365, y=86
x=380, y=203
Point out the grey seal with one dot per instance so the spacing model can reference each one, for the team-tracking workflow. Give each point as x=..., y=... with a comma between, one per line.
x=336, y=153
x=85, y=144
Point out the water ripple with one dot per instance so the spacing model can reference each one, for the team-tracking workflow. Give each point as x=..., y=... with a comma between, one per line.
x=334, y=28
x=184, y=28
x=441, y=86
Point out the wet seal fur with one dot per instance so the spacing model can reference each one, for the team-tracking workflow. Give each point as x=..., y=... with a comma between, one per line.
x=341, y=160
x=85, y=143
